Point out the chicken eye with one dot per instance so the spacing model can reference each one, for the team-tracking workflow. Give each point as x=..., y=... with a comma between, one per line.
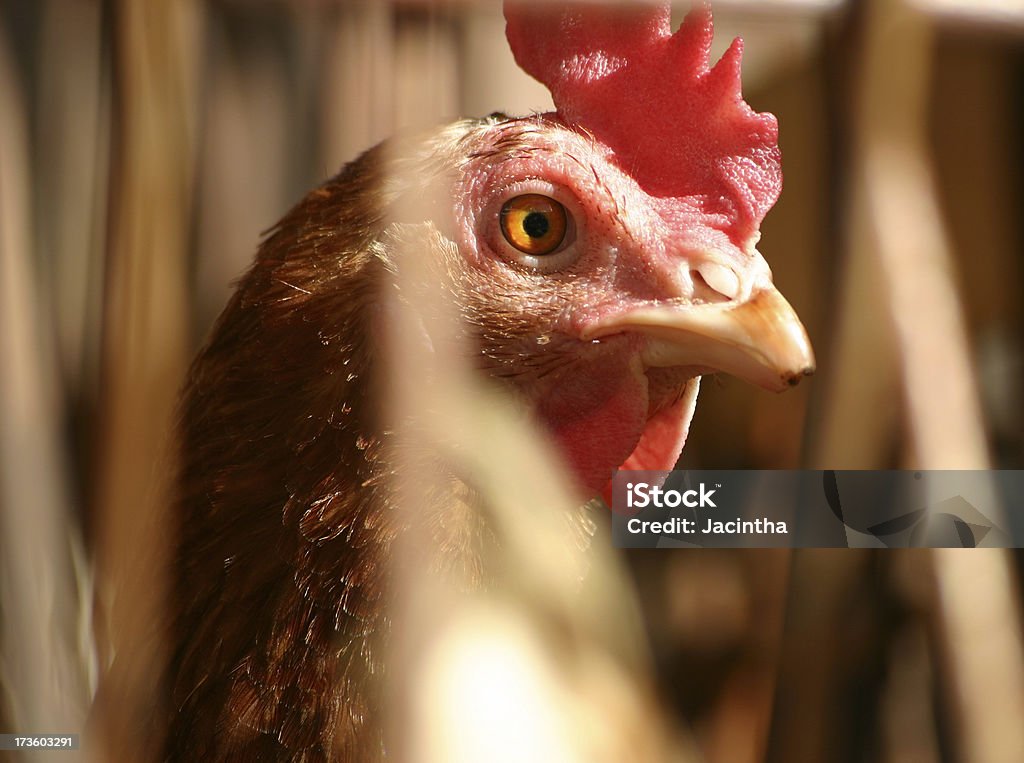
x=534, y=224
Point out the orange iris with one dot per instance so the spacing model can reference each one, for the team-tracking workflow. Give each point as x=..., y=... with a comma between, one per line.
x=534, y=224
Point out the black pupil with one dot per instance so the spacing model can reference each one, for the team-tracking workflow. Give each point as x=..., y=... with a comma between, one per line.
x=536, y=225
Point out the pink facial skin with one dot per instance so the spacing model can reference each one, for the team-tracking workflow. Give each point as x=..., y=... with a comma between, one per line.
x=666, y=174
x=597, y=398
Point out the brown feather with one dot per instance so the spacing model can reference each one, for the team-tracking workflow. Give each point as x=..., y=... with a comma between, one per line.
x=280, y=575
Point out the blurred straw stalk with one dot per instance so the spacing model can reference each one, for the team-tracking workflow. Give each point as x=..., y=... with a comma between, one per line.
x=46, y=666
x=899, y=236
x=145, y=349
x=514, y=637
x=979, y=599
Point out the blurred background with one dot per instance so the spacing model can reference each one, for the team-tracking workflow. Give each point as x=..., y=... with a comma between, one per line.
x=144, y=146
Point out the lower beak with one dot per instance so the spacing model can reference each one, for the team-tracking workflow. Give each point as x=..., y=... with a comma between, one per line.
x=760, y=340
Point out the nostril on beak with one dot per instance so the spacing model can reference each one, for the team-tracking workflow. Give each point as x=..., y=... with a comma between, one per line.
x=718, y=278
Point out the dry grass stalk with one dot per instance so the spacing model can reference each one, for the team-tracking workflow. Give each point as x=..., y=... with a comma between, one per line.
x=144, y=349
x=45, y=659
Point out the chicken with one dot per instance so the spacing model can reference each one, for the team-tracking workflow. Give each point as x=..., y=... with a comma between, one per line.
x=601, y=258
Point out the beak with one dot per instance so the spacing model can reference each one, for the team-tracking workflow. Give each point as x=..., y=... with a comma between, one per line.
x=760, y=340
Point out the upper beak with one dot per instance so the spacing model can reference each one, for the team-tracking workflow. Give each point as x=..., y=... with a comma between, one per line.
x=760, y=340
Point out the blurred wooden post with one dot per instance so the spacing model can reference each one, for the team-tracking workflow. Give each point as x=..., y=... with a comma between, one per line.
x=155, y=48
x=425, y=68
x=42, y=674
x=490, y=78
x=248, y=147
x=978, y=614
x=72, y=160
x=358, y=83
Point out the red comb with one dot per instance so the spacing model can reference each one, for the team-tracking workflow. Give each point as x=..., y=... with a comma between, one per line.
x=677, y=125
